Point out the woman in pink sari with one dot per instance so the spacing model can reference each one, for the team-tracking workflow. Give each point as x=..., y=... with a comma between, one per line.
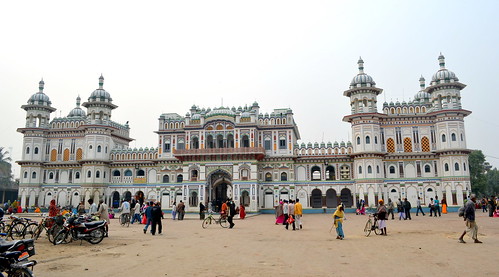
x=279, y=214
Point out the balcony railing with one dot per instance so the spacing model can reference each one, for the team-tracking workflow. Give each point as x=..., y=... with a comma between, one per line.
x=219, y=151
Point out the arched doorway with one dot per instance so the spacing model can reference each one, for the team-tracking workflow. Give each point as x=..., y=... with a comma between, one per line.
x=316, y=198
x=127, y=196
x=219, y=188
x=115, y=200
x=346, y=197
x=139, y=196
x=331, y=198
x=245, y=198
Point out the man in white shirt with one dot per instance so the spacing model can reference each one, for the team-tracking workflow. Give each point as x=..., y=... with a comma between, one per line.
x=291, y=213
x=93, y=207
x=285, y=211
x=136, y=213
x=125, y=210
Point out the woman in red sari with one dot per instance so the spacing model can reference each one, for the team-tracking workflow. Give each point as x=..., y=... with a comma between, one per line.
x=242, y=212
x=53, y=210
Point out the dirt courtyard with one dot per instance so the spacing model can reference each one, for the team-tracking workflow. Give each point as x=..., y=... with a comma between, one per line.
x=424, y=246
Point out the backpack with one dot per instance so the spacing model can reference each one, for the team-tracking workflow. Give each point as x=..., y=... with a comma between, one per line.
x=461, y=212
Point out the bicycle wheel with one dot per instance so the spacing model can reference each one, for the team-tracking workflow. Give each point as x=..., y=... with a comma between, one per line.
x=30, y=230
x=53, y=231
x=39, y=231
x=206, y=222
x=367, y=229
x=376, y=228
x=128, y=220
x=17, y=231
x=2, y=227
x=223, y=222
x=122, y=220
x=21, y=272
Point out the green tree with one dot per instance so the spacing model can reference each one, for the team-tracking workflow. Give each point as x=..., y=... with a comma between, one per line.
x=493, y=182
x=477, y=172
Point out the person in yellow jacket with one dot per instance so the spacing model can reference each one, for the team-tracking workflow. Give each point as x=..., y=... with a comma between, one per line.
x=298, y=214
x=338, y=216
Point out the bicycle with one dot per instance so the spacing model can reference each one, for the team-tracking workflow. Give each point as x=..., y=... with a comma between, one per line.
x=372, y=226
x=222, y=220
x=35, y=229
x=125, y=219
x=14, y=229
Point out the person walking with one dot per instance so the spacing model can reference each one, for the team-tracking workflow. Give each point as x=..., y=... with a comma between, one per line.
x=81, y=208
x=103, y=214
x=156, y=216
x=181, y=210
x=492, y=206
x=338, y=216
x=279, y=213
x=381, y=214
x=53, y=210
x=285, y=211
x=298, y=214
x=174, y=210
x=93, y=207
x=484, y=204
x=136, y=213
x=437, y=207
x=125, y=210
x=444, y=205
x=242, y=211
x=431, y=205
x=291, y=214
x=400, y=209
x=469, y=217
x=407, y=209
x=202, y=208
x=231, y=213
x=390, y=208
x=148, y=213
x=418, y=205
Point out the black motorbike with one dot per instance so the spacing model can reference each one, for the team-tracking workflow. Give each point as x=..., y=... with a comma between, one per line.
x=79, y=228
x=14, y=257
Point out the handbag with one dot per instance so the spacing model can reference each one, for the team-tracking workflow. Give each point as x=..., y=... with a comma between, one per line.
x=291, y=220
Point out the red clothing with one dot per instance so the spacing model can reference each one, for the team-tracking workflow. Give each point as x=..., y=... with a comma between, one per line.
x=224, y=208
x=242, y=213
x=53, y=210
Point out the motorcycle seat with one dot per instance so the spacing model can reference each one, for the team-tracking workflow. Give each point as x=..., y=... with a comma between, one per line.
x=6, y=245
x=94, y=224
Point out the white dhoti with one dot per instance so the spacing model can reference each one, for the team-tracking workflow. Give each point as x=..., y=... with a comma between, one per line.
x=472, y=229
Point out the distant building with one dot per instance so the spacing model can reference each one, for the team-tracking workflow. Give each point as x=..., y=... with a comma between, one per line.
x=411, y=149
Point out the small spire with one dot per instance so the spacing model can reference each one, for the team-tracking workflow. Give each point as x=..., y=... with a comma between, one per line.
x=422, y=82
x=441, y=61
x=101, y=81
x=361, y=65
x=41, y=85
x=78, y=99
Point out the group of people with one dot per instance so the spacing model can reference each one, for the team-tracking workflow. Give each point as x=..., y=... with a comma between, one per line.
x=289, y=212
x=178, y=210
x=490, y=205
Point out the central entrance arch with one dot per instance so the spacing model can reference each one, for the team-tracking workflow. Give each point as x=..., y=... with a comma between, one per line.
x=219, y=188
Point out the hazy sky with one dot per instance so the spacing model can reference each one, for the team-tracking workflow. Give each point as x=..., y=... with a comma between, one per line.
x=165, y=56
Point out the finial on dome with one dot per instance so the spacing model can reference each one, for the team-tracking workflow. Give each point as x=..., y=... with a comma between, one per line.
x=41, y=85
x=422, y=82
x=361, y=65
x=78, y=99
x=441, y=61
x=101, y=81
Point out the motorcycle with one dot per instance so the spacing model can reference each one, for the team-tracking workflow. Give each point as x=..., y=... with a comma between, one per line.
x=14, y=257
x=79, y=228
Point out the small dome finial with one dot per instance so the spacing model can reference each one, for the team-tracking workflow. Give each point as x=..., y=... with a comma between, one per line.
x=441, y=61
x=78, y=99
x=422, y=82
x=101, y=81
x=361, y=65
x=41, y=85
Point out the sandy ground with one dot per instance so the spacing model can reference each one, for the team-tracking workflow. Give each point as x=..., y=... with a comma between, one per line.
x=424, y=246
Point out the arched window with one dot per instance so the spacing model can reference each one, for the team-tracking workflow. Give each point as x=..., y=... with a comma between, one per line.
x=368, y=140
x=51, y=175
x=375, y=140
x=166, y=179
x=392, y=169
x=25, y=174
x=462, y=137
x=453, y=137
x=427, y=168
x=128, y=172
x=77, y=175
x=456, y=167
x=443, y=138
x=446, y=167
x=33, y=175
x=194, y=175
x=369, y=169
x=330, y=173
x=97, y=174
x=195, y=143
x=27, y=150
x=36, y=150
x=268, y=177
x=209, y=142
x=99, y=148
x=116, y=173
x=284, y=176
x=358, y=140
x=89, y=174
x=245, y=142
x=316, y=173
x=464, y=166
x=377, y=169
x=141, y=173
x=360, y=169
x=180, y=178
x=193, y=199
x=390, y=145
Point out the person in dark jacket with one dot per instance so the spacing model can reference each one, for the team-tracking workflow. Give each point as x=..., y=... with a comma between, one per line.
x=156, y=216
x=407, y=209
x=232, y=212
x=202, y=208
x=148, y=216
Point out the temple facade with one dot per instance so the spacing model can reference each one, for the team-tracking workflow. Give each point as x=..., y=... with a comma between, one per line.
x=406, y=150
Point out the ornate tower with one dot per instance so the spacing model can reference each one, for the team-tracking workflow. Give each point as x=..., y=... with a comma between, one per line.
x=99, y=105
